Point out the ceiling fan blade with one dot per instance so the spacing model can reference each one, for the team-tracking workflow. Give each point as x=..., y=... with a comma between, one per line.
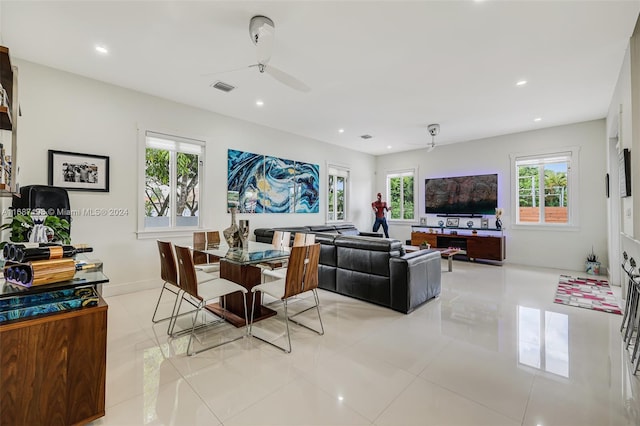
x=286, y=79
x=228, y=71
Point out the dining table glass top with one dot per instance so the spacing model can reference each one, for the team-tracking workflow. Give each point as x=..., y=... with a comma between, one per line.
x=254, y=252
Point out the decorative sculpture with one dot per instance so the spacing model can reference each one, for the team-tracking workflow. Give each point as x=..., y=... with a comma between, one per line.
x=236, y=236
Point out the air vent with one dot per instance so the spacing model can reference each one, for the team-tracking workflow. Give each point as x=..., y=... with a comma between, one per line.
x=366, y=136
x=221, y=85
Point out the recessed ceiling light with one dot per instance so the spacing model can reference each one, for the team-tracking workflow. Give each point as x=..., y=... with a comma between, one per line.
x=389, y=146
x=521, y=83
x=537, y=119
x=340, y=130
x=259, y=102
x=102, y=49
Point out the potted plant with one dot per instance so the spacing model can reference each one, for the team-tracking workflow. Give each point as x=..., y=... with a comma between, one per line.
x=592, y=266
x=21, y=225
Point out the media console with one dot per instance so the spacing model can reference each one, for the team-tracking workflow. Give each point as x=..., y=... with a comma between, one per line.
x=488, y=244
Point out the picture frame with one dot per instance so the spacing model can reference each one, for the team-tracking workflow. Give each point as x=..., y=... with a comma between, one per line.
x=76, y=171
x=453, y=222
x=423, y=221
x=484, y=223
x=624, y=167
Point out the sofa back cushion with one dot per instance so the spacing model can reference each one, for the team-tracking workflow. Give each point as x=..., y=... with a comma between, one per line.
x=368, y=255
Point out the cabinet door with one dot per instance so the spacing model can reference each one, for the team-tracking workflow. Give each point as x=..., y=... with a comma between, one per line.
x=418, y=238
x=53, y=368
x=489, y=248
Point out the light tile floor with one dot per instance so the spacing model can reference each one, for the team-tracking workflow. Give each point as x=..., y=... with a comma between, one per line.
x=493, y=349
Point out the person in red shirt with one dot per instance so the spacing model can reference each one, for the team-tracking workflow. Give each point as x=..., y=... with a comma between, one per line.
x=379, y=208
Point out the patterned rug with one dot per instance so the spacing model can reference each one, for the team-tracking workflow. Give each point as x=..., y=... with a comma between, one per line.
x=589, y=293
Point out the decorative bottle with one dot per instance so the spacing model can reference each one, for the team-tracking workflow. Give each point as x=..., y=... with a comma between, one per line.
x=231, y=234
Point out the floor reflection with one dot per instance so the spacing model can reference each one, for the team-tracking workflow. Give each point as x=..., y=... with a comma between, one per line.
x=543, y=340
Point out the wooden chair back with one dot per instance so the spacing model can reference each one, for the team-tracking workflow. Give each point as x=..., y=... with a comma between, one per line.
x=302, y=272
x=281, y=239
x=213, y=239
x=204, y=241
x=302, y=239
x=186, y=272
x=168, y=271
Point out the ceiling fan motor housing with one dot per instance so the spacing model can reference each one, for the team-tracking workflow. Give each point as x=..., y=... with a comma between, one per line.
x=256, y=23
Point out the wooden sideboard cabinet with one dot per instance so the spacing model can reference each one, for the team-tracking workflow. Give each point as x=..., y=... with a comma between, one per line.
x=488, y=244
x=53, y=366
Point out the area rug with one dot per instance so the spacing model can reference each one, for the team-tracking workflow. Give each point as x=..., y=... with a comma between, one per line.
x=589, y=293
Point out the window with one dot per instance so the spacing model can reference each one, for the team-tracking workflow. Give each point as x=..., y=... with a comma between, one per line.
x=172, y=182
x=400, y=195
x=337, y=184
x=545, y=189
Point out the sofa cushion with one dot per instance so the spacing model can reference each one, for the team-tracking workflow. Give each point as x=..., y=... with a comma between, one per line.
x=372, y=288
x=369, y=255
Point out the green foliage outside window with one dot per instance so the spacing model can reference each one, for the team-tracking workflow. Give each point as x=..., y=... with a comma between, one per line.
x=401, y=195
x=555, y=187
x=157, y=200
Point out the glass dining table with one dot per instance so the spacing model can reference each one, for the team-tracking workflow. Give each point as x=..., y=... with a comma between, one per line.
x=240, y=266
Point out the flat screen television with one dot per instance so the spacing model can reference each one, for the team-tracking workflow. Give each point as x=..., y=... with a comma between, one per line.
x=462, y=195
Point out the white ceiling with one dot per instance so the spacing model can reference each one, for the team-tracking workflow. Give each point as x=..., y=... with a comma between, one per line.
x=384, y=68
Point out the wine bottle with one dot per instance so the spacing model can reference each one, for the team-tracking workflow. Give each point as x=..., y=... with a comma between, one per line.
x=9, y=250
x=51, y=252
x=9, y=273
x=88, y=265
x=24, y=276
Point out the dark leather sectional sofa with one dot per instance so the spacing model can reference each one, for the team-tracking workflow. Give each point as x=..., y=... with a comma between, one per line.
x=373, y=269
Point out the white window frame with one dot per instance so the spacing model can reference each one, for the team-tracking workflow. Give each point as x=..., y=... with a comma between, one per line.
x=189, y=142
x=338, y=170
x=572, y=156
x=402, y=173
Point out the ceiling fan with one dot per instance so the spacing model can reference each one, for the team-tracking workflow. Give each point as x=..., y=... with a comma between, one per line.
x=433, y=130
x=261, y=30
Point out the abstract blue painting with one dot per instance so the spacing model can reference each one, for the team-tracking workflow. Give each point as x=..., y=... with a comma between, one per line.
x=307, y=188
x=273, y=185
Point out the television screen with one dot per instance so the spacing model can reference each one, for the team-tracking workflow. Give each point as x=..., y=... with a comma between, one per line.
x=461, y=195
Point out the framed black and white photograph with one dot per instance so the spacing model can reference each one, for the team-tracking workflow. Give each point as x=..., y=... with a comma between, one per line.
x=453, y=222
x=78, y=172
x=423, y=221
x=484, y=223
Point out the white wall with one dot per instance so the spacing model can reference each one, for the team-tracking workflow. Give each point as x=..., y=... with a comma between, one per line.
x=66, y=112
x=566, y=249
x=624, y=114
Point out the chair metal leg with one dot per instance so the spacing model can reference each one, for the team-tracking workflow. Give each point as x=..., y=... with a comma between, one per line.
x=194, y=328
x=627, y=306
x=317, y=306
x=288, y=319
x=633, y=312
x=155, y=311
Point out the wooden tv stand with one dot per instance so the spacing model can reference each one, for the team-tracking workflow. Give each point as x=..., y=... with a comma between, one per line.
x=488, y=244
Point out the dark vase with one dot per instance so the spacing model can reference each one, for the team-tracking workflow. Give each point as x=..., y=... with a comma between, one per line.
x=498, y=223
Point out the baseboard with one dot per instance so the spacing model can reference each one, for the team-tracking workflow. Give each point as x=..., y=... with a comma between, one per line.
x=113, y=289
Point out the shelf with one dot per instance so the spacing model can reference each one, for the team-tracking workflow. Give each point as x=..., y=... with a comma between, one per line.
x=5, y=119
x=464, y=228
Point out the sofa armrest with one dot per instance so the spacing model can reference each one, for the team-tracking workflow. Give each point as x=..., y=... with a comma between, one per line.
x=415, y=278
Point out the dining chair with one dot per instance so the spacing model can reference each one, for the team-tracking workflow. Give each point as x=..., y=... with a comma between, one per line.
x=206, y=240
x=169, y=274
x=299, y=239
x=281, y=240
x=302, y=276
x=201, y=294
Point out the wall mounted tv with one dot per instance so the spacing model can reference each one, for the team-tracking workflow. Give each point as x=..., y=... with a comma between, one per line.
x=462, y=195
